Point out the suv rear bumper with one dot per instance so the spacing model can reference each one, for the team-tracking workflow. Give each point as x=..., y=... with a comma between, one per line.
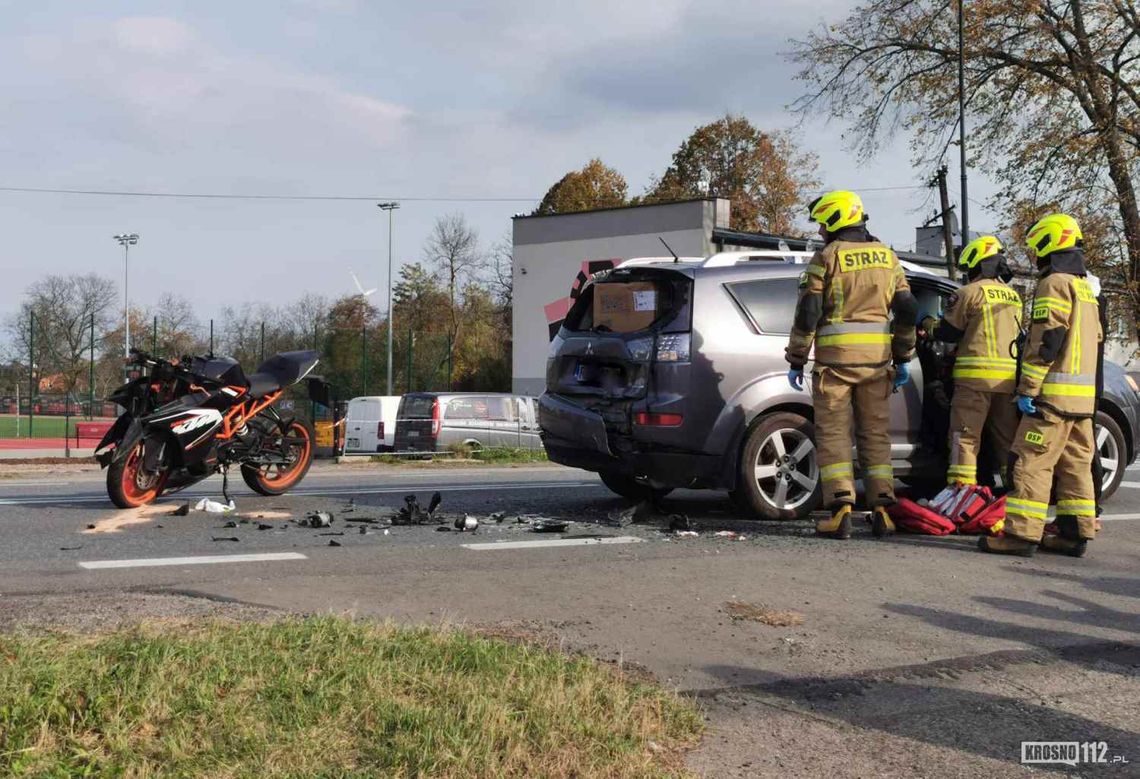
x=577, y=437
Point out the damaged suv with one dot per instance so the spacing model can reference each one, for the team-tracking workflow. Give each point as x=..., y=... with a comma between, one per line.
x=670, y=374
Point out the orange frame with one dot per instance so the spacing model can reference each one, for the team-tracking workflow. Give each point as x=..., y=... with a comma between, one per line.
x=236, y=417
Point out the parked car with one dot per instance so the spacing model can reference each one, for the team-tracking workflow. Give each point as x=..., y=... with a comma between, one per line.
x=433, y=421
x=698, y=397
x=370, y=424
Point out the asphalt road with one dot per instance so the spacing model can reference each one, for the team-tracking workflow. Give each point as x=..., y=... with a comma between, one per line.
x=915, y=656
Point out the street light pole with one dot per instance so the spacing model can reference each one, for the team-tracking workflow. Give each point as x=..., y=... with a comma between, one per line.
x=389, y=207
x=126, y=240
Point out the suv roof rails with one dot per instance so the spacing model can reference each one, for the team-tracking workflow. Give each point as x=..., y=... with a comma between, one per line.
x=728, y=259
x=655, y=261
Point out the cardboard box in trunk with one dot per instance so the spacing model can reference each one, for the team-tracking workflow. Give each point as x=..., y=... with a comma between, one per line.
x=625, y=308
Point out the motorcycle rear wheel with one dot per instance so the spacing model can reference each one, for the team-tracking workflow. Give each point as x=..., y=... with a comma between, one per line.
x=129, y=486
x=277, y=479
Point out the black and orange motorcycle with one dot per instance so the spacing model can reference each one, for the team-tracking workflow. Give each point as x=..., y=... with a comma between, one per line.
x=185, y=420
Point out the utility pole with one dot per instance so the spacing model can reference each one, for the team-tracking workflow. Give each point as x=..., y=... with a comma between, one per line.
x=31, y=370
x=947, y=235
x=962, y=121
x=90, y=372
x=389, y=207
x=126, y=240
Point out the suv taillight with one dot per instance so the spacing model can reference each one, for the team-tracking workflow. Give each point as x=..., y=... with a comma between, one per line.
x=435, y=420
x=647, y=419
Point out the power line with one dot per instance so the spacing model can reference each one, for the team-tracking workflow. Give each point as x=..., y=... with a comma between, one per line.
x=228, y=196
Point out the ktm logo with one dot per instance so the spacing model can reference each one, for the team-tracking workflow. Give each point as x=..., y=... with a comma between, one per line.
x=206, y=417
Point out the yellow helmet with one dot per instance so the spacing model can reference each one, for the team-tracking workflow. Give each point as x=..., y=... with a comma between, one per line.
x=979, y=249
x=836, y=210
x=1053, y=233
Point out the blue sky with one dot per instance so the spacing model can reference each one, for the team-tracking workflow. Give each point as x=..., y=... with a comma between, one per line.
x=494, y=99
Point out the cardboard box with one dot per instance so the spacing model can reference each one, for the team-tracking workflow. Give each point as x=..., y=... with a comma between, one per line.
x=625, y=308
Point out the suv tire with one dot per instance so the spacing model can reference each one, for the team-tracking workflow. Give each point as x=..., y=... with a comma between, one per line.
x=1110, y=447
x=632, y=489
x=779, y=450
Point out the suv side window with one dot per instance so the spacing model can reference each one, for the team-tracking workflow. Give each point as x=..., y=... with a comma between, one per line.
x=770, y=303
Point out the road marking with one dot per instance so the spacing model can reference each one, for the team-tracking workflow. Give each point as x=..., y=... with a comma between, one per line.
x=1119, y=517
x=152, y=562
x=347, y=491
x=553, y=542
x=32, y=483
x=1133, y=484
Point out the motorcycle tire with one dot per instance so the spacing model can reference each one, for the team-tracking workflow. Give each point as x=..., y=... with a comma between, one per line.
x=259, y=479
x=123, y=481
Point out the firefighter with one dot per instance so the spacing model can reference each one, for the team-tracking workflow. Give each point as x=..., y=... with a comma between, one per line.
x=1056, y=394
x=983, y=318
x=848, y=293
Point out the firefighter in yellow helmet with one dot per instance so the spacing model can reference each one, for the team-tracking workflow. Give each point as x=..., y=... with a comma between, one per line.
x=1056, y=394
x=984, y=319
x=848, y=294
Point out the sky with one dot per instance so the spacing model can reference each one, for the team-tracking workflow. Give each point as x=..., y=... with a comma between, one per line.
x=454, y=101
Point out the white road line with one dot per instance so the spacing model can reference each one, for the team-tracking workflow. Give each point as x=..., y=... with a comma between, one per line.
x=151, y=562
x=1133, y=484
x=32, y=483
x=349, y=491
x=494, y=545
x=1119, y=517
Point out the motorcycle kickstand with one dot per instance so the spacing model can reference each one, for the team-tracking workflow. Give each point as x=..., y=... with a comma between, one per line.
x=225, y=485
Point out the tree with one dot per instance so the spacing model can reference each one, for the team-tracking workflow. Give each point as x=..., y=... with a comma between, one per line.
x=594, y=186
x=453, y=251
x=765, y=175
x=64, y=308
x=1052, y=89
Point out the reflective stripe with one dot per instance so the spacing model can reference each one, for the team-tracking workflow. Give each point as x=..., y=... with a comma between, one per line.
x=1075, y=360
x=1079, y=508
x=836, y=471
x=1068, y=391
x=815, y=270
x=1026, y=508
x=855, y=327
x=966, y=470
x=1034, y=371
x=988, y=361
x=1057, y=304
x=854, y=338
x=1071, y=378
x=988, y=331
x=997, y=374
x=1072, y=385
x=881, y=471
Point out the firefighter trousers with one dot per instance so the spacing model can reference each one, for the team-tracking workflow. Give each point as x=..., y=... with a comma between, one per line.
x=1047, y=447
x=842, y=396
x=970, y=413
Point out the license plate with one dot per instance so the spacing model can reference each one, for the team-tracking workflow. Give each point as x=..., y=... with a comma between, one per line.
x=354, y=443
x=413, y=434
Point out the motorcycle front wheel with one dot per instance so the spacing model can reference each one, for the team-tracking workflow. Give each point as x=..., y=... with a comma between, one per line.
x=129, y=484
x=297, y=444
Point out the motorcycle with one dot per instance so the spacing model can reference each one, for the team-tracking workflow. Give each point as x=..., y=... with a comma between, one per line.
x=186, y=420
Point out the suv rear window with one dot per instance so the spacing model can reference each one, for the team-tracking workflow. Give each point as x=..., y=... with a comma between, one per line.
x=771, y=303
x=632, y=301
x=417, y=406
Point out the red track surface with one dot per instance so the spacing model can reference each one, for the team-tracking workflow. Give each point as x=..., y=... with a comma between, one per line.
x=46, y=443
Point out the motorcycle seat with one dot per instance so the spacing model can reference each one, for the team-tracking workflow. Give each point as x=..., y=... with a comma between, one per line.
x=282, y=370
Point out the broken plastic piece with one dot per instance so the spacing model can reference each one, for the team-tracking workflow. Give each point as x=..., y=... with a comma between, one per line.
x=181, y=511
x=467, y=523
x=436, y=499
x=334, y=542
x=686, y=534
x=550, y=526
x=224, y=538
x=319, y=519
x=214, y=507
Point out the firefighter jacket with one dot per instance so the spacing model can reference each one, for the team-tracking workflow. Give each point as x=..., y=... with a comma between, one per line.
x=1059, y=361
x=848, y=293
x=983, y=318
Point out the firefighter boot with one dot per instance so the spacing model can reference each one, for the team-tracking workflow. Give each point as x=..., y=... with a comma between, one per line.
x=1064, y=537
x=1004, y=544
x=838, y=526
x=881, y=524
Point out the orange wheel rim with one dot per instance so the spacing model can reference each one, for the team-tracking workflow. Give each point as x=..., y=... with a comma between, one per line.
x=283, y=477
x=135, y=494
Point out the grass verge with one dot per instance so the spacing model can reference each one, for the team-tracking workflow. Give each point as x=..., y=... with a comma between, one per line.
x=463, y=454
x=323, y=697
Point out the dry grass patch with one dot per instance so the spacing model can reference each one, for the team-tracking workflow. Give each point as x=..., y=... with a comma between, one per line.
x=325, y=697
x=753, y=612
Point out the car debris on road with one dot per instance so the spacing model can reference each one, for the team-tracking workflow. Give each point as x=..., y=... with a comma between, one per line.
x=215, y=507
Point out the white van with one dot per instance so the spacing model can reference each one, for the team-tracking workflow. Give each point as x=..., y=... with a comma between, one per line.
x=370, y=425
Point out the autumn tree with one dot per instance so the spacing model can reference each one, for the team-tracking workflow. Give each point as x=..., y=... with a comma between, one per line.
x=765, y=175
x=594, y=186
x=1053, y=95
x=452, y=251
x=64, y=308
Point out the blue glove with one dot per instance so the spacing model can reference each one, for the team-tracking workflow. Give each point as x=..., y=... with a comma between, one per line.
x=1026, y=406
x=796, y=378
x=902, y=374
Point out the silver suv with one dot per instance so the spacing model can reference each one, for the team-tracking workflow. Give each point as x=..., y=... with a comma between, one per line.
x=694, y=393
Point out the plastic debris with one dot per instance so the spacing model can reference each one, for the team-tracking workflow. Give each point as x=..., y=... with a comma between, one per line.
x=731, y=535
x=550, y=526
x=333, y=533
x=443, y=529
x=181, y=511
x=214, y=507
x=412, y=513
x=686, y=534
x=467, y=523
x=224, y=538
x=264, y=526
x=70, y=548
x=319, y=519
x=334, y=542
x=497, y=517
x=231, y=523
